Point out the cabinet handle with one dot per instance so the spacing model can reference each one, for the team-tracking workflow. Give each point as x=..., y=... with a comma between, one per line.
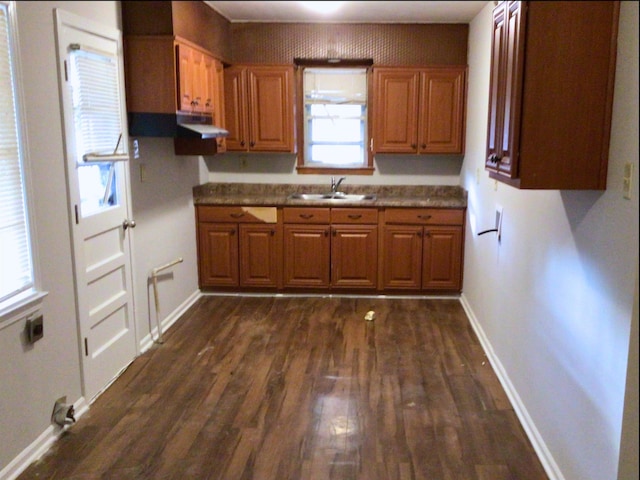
x=326, y=233
x=273, y=232
x=354, y=216
x=306, y=216
x=414, y=146
x=237, y=215
x=242, y=143
x=334, y=233
x=232, y=233
x=419, y=234
x=494, y=158
x=427, y=233
x=252, y=144
x=423, y=146
x=424, y=217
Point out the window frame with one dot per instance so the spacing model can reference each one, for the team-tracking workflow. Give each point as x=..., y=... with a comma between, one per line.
x=301, y=166
x=26, y=302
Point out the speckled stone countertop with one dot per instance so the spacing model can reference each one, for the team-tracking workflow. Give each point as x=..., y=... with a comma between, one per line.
x=436, y=196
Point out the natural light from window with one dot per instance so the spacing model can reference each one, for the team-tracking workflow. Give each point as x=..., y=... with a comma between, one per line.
x=335, y=117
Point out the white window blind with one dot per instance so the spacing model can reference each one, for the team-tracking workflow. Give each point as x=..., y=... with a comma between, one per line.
x=335, y=117
x=96, y=106
x=16, y=272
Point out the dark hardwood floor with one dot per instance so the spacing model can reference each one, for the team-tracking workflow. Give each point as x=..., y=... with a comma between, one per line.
x=303, y=388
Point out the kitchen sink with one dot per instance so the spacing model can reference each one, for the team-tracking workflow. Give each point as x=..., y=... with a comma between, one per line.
x=331, y=196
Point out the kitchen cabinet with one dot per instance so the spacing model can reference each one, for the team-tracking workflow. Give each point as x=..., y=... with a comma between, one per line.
x=423, y=249
x=238, y=246
x=551, y=93
x=166, y=76
x=258, y=102
x=419, y=110
x=331, y=248
x=307, y=247
x=354, y=248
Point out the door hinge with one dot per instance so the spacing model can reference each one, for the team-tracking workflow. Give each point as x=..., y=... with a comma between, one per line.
x=66, y=74
x=75, y=209
x=86, y=347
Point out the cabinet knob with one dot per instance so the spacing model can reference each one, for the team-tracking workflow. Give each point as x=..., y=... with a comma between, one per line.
x=242, y=143
x=423, y=146
x=326, y=233
x=252, y=144
x=413, y=145
x=494, y=158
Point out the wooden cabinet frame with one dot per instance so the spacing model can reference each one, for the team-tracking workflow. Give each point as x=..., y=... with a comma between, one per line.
x=419, y=110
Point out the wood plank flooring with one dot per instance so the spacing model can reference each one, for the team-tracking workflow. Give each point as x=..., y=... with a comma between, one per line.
x=300, y=388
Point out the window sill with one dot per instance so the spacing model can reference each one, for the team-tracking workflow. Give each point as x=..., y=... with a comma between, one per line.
x=20, y=306
x=334, y=171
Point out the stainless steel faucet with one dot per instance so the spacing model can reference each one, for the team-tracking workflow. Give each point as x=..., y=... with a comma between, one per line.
x=335, y=185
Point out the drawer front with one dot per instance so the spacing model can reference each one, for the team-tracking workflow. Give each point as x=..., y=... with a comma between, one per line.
x=354, y=215
x=237, y=214
x=424, y=216
x=306, y=215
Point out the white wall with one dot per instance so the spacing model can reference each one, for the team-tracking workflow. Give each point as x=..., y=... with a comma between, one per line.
x=33, y=377
x=236, y=167
x=553, y=301
x=165, y=230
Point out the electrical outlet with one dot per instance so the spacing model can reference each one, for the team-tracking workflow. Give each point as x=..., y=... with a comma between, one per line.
x=499, y=219
x=626, y=180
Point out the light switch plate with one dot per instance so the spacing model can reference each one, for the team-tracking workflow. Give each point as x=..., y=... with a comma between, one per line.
x=626, y=180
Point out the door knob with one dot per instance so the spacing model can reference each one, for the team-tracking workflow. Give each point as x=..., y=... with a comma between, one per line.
x=128, y=224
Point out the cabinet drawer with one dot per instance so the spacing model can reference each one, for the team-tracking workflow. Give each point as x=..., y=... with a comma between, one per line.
x=425, y=216
x=238, y=214
x=306, y=215
x=354, y=215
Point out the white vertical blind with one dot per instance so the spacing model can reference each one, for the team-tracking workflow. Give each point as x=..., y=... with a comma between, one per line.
x=16, y=273
x=96, y=103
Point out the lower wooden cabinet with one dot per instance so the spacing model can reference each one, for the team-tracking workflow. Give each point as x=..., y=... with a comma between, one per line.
x=423, y=249
x=238, y=247
x=306, y=256
x=342, y=249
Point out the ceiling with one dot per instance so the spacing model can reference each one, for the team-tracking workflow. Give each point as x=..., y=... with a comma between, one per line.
x=350, y=12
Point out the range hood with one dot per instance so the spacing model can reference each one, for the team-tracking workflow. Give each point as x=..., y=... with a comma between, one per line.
x=192, y=134
x=199, y=130
x=198, y=126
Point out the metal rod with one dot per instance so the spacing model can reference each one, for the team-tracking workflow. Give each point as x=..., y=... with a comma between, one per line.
x=154, y=278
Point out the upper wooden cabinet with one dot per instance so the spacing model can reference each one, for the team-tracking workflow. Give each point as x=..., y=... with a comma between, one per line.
x=164, y=76
x=419, y=110
x=259, y=102
x=551, y=93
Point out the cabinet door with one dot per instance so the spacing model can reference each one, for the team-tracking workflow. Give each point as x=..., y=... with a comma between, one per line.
x=442, y=258
x=235, y=108
x=258, y=255
x=270, y=107
x=442, y=111
x=217, y=89
x=505, y=89
x=218, y=254
x=354, y=256
x=306, y=256
x=402, y=257
x=396, y=110
x=186, y=97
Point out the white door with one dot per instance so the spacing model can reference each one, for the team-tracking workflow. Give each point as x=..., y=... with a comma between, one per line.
x=95, y=133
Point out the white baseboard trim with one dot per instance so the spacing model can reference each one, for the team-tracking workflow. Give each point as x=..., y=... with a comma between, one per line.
x=146, y=342
x=548, y=463
x=40, y=445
